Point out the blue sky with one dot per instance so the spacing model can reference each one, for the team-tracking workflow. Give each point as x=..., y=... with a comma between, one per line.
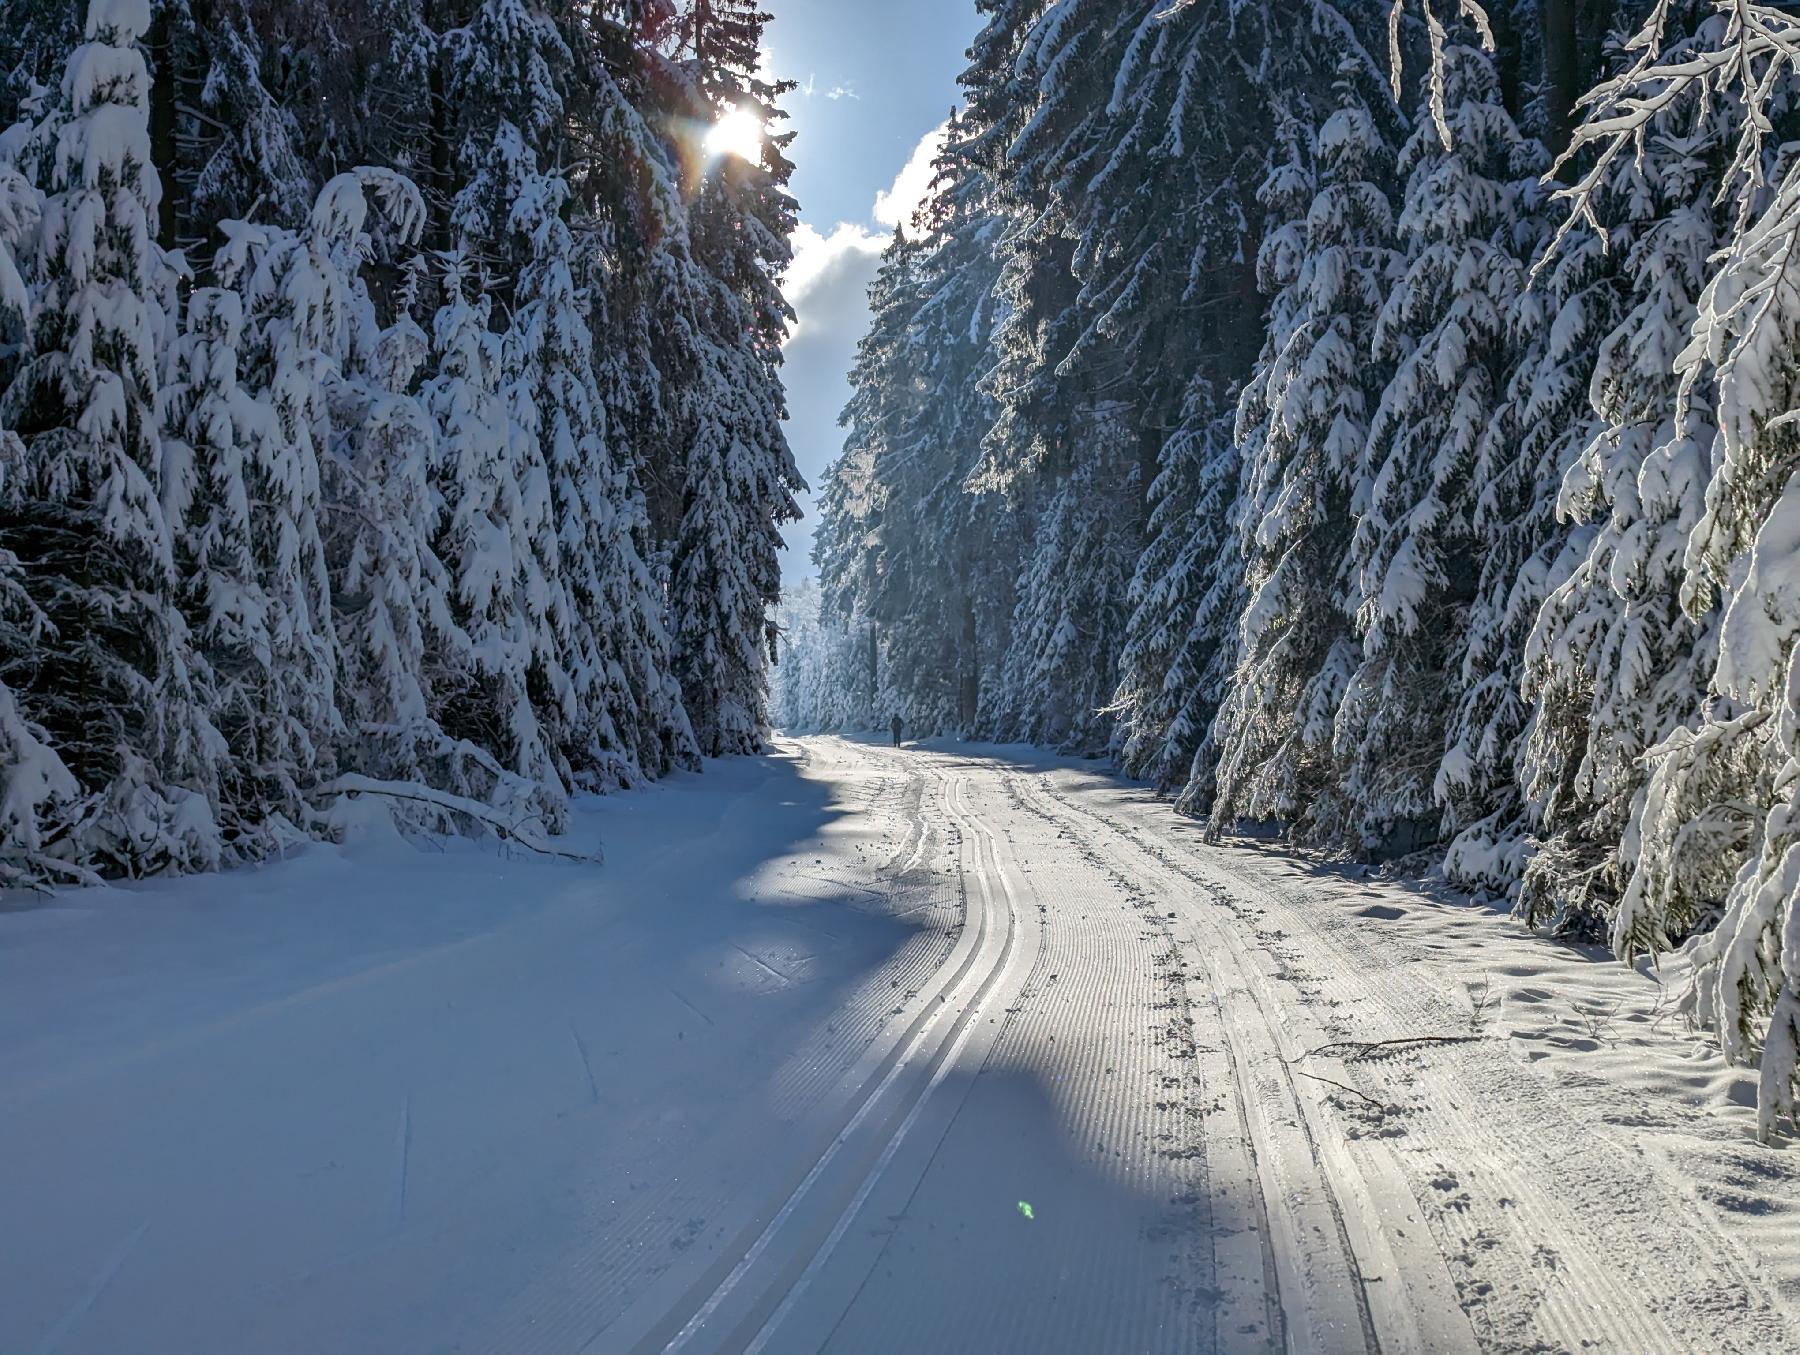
x=876, y=80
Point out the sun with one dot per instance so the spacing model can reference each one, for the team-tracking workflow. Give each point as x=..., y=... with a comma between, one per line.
x=737, y=133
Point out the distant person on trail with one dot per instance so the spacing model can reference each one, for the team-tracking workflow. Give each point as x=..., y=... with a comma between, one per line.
x=897, y=727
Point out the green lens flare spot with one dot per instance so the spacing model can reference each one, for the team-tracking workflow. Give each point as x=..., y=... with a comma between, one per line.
x=1025, y=1209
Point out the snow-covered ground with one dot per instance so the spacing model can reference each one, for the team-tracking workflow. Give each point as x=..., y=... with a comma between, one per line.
x=955, y=1048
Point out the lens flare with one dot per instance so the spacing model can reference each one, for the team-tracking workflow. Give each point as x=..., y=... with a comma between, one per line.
x=737, y=133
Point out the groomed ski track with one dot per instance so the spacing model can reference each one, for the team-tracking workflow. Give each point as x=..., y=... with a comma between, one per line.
x=858, y=1050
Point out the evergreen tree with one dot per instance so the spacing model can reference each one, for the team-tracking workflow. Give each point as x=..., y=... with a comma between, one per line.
x=35, y=42
x=487, y=539
x=109, y=677
x=1714, y=829
x=626, y=726
x=1444, y=329
x=505, y=71
x=399, y=642
x=299, y=309
x=236, y=147
x=37, y=783
x=254, y=571
x=1304, y=422
x=738, y=478
x=219, y=442
x=1613, y=665
x=1540, y=432
x=1201, y=668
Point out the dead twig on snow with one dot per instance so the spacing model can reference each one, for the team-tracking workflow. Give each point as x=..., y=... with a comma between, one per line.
x=1362, y=1049
x=1341, y=1086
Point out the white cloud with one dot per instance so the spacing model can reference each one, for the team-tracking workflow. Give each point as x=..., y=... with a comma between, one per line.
x=827, y=284
x=820, y=260
x=842, y=92
x=896, y=205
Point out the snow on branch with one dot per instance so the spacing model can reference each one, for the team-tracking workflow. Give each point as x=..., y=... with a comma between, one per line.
x=1470, y=11
x=1738, y=61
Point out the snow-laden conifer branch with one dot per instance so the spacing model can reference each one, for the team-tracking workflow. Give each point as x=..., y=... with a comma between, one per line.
x=1470, y=11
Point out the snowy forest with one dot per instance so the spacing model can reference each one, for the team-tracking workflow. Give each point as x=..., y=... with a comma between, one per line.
x=1371, y=421
x=389, y=417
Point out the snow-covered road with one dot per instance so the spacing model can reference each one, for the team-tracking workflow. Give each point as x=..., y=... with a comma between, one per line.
x=857, y=1050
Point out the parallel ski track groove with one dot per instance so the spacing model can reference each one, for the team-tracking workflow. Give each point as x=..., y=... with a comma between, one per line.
x=1093, y=1010
x=815, y=1263
x=575, y=1309
x=910, y=1053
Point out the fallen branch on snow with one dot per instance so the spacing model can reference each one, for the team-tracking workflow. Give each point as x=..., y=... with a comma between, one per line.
x=1362, y=1049
x=455, y=804
x=1341, y=1086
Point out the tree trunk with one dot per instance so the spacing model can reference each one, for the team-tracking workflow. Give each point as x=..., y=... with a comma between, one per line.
x=971, y=668
x=874, y=666
x=163, y=148
x=1562, y=69
x=443, y=187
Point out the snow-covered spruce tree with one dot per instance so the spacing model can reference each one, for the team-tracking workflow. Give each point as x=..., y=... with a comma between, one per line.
x=1723, y=792
x=1304, y=423
x=905, y=545
x=845, y=551
x=486, y=540
x=21, y=207
x=738, y=477
x=626, y=726
x=1613, y=665
x=505, y=70
x=1539, y=433
x=638, y=600
x=398, y=641
x=107, y=678
x=236, y=147
x=1201, y=589
x=1177, y=112
x=1150, y=743
x=299, y=301
x=33, y=775
x=1414, y=553
x=219, y=447
x=822, y=678
x=796, y=690
x=399, y=644
x=725, y=568
x=1062, y=443
x=1231, y=76
x=1731, y=784
x=1060, y=675
x=868, y=557
x=503, y=74
x=968, y=538
x=35, y=41
x=635, y=266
